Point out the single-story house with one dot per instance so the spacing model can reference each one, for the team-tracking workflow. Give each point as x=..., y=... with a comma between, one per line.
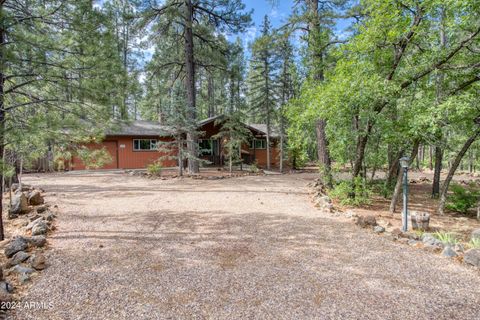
x=134, y=145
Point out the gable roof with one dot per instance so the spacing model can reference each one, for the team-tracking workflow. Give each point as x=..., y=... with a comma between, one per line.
x=140, y=128
x=152, y=128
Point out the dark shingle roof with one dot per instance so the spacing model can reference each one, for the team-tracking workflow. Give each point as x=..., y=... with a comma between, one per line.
x=263, y=128
x=140, y=128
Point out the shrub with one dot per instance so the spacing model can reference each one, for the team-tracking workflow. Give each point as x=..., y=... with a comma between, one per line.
x=155, y=169
x=474, y=243
x=462, y=198
x=446, y=237
x=254, y=167
x=356, y=195
x=94, y=159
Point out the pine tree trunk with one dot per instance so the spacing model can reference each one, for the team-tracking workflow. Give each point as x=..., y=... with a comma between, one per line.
x=211, y=96
x=193, y=166
x=398, y=184
x=437, y=172
x=453, y=168
x=2, y=111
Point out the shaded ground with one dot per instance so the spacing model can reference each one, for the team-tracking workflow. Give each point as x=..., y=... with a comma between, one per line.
x=250, y=247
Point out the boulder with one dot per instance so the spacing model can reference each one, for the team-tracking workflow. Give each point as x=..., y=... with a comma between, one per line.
x=37, y=241
x=17, y=258
x=38, y=261
x=378, y=229
x=366, y=221
x=472, y=257
x=449, y=252
x=35, y=198
x=476, y=234
x=19, y=204
x=16, y=245
x=40, y=227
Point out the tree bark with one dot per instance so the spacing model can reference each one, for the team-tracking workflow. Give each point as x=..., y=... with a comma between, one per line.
x=317, y=74
x=437, y=172
x=2, y=112
x=193, y=166
x=453, y=168
x=398, y=184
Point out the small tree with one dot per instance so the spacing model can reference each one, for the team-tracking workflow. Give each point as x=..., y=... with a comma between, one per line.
x=235, y=133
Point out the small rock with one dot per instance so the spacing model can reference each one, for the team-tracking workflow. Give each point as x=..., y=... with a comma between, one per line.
x=37, y=241
x=17, y=258
x=472, y=257
x=16, y=245
x=448, y=252
x=24, y=277
x=458, y=247
x=19, y=204
x=366, y=221
x=41, y=209
x=378, y=229
x=35, y=198
x=50, y=216
x=39, y=228
x=21, y=269
x=35, y=217
x=432, y=248
x=37, y=261
x=404, y=240
x=412, y=242
x=5, y=286
x=428, y=238
x=398, y=233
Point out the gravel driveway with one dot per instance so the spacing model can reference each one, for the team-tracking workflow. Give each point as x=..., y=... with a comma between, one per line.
x=251, y=247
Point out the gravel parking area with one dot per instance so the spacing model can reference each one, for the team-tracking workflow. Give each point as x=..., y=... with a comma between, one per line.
x=251, y=247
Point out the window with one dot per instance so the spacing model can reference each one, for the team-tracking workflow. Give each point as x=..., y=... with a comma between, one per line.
x=258, y=144
x=144, y=145
x=206, y=147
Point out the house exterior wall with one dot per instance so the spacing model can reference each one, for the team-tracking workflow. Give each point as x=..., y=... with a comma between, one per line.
x=123, y=155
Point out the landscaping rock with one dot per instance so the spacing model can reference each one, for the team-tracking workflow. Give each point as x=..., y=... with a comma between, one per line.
x=458, y=248
x=366, y=221
x=40, y=227
x=19, y=204
x=42, y=208
x=472, y=257
x=17, y=258
x=449, y=252
x=432, y=248
x=35, y=217
x=429, y=239
x=476, y=234
x=16, y=245
x=412, y=242
x=37, y=241
x=38, y=261
x=22, y=270
x=378, y=229
x=50, y=216
x=399, y=233
x=5, y=286
x=323, y=202
x=35, y=198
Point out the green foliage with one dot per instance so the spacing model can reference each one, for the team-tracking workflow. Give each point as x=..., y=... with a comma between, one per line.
x=352, y=194
x=155, y=169
x=462, y=198
x=447, y=237
x=254, y=167
x=474, y=243
x=94, y=159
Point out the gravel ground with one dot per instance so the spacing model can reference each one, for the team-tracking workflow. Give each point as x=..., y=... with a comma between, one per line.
x=250, y=247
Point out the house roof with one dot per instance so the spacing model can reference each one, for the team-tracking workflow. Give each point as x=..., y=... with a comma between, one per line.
x=140, y=128
x=152, y=128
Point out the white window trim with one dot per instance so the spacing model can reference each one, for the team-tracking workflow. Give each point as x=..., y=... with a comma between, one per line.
x=252, y=145
x=151, y=149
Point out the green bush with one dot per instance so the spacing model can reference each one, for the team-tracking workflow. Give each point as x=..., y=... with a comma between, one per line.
x=155, y=169
x=352, y=195
x=474, y=243
x=462, y=198
x=446, y=237
x=94, y=159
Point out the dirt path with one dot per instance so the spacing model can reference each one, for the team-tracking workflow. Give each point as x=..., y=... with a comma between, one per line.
x=252, y=247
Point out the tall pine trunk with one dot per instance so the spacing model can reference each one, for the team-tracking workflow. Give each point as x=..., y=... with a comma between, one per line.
x=437, y=171
x=193, y=166
x=453, y=168
x=2, y=110
x=317, y=74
